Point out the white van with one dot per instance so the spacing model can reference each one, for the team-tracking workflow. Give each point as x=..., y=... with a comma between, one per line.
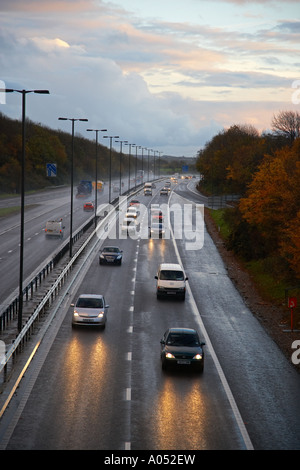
x=54, y=228
x=171, y=280
x=148, y=189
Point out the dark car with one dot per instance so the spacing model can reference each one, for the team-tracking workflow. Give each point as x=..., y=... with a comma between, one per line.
x=157, y=230
x=110, y=255
x=156, y=215
x=182, y=347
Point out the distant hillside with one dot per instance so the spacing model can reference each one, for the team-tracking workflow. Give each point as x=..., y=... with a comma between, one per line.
x=45, y=145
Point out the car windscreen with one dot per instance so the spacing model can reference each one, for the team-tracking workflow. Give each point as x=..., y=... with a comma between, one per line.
x=171, y=275
x=190, y=340
x=110, y=249
x=89, y=303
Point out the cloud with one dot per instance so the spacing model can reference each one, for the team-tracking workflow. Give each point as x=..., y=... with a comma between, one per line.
x=160, y=84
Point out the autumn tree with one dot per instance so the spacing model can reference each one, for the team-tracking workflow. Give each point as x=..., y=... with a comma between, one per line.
x=272, y=203
x=228, y=161
x=287, y=123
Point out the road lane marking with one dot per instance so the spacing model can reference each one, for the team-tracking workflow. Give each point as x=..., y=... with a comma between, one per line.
x=197, y=315
x=128, y=394
x=129, y=356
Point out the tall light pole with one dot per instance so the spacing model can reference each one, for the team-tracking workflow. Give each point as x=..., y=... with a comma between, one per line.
x=154, y=162
x=96, y=170
x=160, y=153
x=129, y=153
x=24, y=93
x=143, y=148
x=149, y=150
x=111, y=137
x=136, y=149
x=121, y=142
x=72, y=165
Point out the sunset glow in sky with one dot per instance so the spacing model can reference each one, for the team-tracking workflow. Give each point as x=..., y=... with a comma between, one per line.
x=164, y=74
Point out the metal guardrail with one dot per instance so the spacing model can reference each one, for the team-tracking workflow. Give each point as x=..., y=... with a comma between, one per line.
x=53, y=291
x=219, y=201
x=10, y=312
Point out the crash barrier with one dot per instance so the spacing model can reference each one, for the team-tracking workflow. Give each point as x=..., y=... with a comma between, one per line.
x=10, y=312
x=220, y=201
x=48, y=298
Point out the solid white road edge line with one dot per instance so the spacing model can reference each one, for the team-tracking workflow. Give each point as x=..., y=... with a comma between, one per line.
x=234, y=407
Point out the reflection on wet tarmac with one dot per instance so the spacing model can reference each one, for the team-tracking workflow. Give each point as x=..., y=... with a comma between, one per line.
x=180, y=413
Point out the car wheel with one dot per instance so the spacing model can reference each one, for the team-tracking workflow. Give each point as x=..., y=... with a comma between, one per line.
x=164, y=365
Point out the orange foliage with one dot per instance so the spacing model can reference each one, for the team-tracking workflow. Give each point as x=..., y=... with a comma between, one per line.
x=272, y=203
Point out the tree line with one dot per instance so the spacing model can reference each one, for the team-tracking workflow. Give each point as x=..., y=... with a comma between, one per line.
x=265, y=171
x=45, y=145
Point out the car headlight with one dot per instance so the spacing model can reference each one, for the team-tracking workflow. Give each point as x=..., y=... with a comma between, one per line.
x=101, y=256
x=75, y=314
x=198, y=356
x=170, y=356
x=101, y=314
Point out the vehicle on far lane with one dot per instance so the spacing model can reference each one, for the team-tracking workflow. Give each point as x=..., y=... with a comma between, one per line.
x=90, y=310
x=156, y=230
x=110, y=255
x=164, y=192
x=129, y=225
x=88, y=207
x=54, y=228
x=182, y=347
x=132, y=212
x=134, y=202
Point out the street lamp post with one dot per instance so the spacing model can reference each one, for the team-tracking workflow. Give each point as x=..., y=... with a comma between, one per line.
x=136, y=149
x=111, y=137
x=143, y=148
x=129, y=153
x=154, y=162
x=160, y=153
x=121, y=142
x=149, y=150
x=72, y=165
x=24, y=93
x=96, y=170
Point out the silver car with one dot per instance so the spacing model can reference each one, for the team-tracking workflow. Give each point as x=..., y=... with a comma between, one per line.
x=90, y=310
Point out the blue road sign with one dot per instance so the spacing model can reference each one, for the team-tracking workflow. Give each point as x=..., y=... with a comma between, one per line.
x=51, y=169
x=185, y=168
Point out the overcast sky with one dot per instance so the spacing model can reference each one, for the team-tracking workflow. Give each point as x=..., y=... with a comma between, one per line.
x=162, y=74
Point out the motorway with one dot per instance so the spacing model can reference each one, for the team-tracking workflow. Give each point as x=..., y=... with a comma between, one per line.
x=39, y=208
x=105, y=389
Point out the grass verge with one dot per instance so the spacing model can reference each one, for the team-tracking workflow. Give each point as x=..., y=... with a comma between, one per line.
x=262, y=271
